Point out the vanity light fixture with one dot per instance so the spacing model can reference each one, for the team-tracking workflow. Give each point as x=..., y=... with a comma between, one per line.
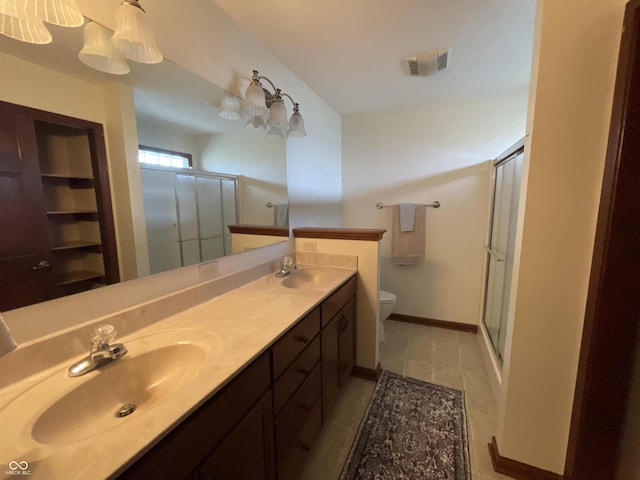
x=229, y=107
x=98, y=52
x=134, y=35
x=16, y=23
x=57, y=12
x=259, y=102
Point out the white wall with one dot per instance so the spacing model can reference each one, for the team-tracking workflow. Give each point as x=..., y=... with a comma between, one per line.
x=575, y=58
x=156, y=133
x=419, y=155
x=260, y=160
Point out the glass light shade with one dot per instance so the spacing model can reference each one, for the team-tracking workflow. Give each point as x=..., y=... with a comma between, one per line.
x=229, y=107
x=58, y=12
x=98, y=52
x=278, y=114
x=296, y=126
x=133, y=35
x=16, y=23
x=254, y=103
x=274, y=130
x=255, y=122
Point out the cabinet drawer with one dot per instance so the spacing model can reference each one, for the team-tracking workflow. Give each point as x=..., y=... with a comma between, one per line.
x=297, y=455
x=294, y=341
x=294, y=413
x=332, y=305
x=295, y=373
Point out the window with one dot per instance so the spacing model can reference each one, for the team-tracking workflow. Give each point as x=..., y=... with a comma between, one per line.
x=164, y=158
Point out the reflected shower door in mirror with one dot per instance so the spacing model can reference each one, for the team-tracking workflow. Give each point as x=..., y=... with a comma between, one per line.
x=162, y=106
x=186, y=216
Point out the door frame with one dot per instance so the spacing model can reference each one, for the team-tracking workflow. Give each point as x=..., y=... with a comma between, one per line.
x=613, y=303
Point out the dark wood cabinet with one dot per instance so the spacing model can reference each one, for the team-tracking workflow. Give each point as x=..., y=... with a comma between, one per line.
x=338, y=342
x=346, y=341
x=246, y=452
x=58, y=234
x=330, y=365
x=196, y=439
x=262, y=425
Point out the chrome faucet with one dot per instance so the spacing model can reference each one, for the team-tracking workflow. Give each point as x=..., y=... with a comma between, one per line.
x=101, y=351
x=285, y=267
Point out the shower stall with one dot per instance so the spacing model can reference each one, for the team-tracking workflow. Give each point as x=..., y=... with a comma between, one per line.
x=499, y=250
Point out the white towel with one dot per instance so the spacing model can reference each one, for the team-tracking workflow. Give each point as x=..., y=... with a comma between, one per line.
x=407, y=216
x=281, y=215
x=7, y=344
x=407, y=248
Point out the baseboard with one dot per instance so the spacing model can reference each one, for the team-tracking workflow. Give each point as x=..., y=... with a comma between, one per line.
x=518, y=470
x=367, y=373
x=430, y=322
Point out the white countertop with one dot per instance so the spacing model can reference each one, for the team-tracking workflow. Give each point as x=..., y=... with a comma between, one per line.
x=243, y=323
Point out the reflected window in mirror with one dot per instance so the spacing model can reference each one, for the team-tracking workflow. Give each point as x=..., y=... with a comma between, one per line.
x=160, y=157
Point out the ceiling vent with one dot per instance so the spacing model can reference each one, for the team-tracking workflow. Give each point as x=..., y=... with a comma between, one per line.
x=429, y=63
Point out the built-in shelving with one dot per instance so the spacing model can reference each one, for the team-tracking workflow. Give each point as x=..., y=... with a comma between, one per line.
x=78, y=276
x=74, y=244
x=68, y=172
x=58, y=229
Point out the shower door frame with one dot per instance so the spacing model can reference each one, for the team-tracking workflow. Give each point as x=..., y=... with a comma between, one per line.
x=511, y=154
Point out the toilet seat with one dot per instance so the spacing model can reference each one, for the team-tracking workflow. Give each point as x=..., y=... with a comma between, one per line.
x=387, y=297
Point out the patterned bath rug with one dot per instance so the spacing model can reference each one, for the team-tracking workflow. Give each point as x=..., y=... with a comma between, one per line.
x=411, y=430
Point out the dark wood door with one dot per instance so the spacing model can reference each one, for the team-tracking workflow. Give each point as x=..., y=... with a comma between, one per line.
x=346, y=341
x=612, y=316
x=330, y=362
x=25, y=254
x=248, y=451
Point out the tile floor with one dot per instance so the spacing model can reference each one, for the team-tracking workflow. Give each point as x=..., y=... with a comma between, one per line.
x=432, y=354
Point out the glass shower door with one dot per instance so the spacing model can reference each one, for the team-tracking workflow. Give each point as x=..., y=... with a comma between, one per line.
x=500, y=249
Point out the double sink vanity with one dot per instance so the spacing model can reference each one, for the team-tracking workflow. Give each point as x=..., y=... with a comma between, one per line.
x=235, y=387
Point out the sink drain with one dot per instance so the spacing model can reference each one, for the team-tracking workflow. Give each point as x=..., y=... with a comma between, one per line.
x=126, y=409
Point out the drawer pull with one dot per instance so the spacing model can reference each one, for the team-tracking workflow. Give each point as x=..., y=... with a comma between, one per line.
x=304, y=406
x=303, y=371
x=301, y=339
x=303, y=446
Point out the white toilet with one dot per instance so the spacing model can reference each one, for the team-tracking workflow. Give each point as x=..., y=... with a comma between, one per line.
x=386, y=303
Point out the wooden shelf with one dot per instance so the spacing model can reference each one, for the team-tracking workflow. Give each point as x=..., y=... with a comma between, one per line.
x=70, y=212
x=74, y=244
x=59, y=175
x=79, y=276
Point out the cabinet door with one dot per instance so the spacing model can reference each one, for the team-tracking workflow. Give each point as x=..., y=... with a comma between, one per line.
x=346, y=341
x=25, y=255
x=248, y=451
x=330, y=362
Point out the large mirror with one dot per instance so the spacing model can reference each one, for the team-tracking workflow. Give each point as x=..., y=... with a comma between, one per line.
x=229, y=196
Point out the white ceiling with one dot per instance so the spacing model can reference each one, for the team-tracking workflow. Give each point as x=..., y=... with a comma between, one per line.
x=350, y=51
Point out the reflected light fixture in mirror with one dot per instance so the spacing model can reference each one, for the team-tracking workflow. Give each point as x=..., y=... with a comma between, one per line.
x=229, y=108
x=16, y=23
x=133, y=35
x=259, y=102
x=98, y=52
x=57, y=12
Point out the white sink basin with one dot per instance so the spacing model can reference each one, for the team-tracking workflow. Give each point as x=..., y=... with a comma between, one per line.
x=306, y=277
x=75, y=409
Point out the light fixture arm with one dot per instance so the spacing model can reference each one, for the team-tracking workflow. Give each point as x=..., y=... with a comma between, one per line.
x=277, y=92
x=134, y=3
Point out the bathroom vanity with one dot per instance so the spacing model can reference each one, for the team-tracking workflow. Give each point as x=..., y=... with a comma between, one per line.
x=263, y=423
x=236, y=386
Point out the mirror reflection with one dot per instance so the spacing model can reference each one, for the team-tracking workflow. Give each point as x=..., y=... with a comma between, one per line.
x=179, y=175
